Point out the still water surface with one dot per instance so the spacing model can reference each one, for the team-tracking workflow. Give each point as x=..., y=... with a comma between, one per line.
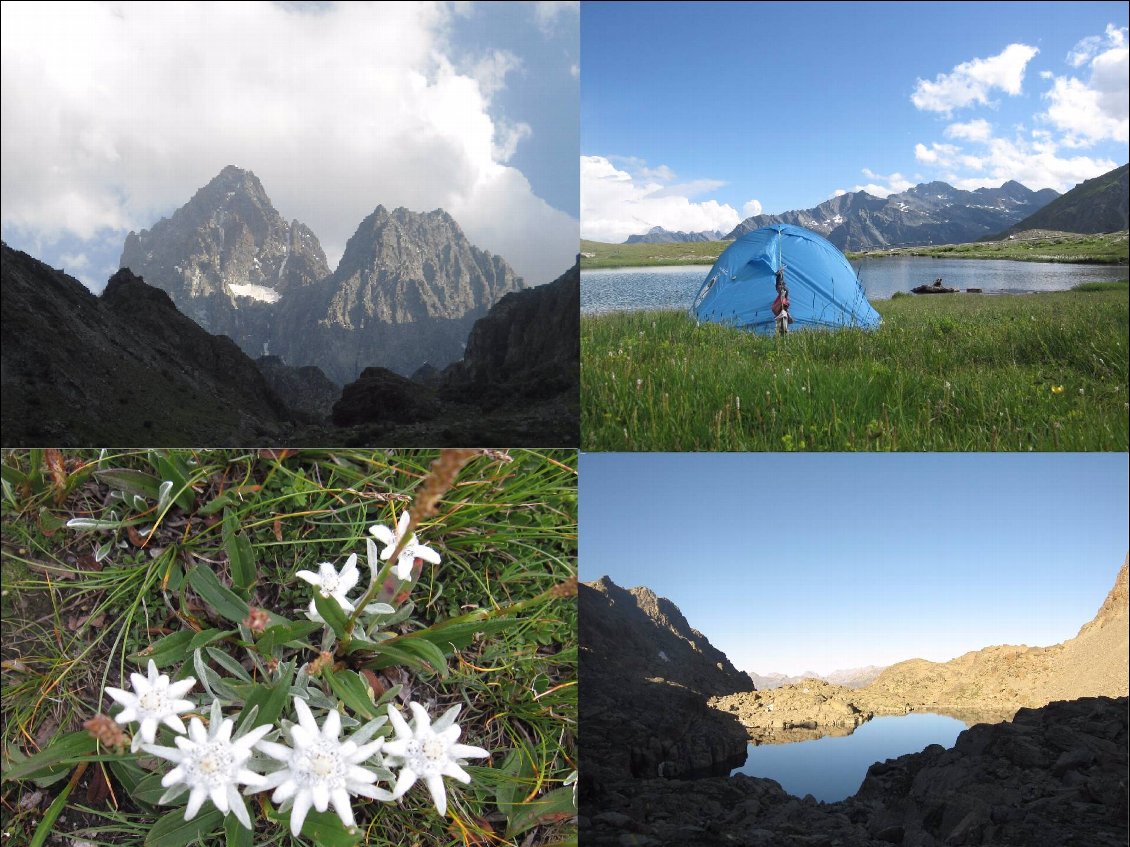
x=675, y=288
x=831, y=769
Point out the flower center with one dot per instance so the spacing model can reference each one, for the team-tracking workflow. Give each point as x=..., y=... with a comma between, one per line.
x=320, y=764
x=212, y=764
x=434, y=749
x=329, y=585
x=152, y=701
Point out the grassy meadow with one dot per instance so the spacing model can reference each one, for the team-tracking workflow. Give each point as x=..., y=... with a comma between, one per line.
x=1043, y=371
x=1032, y=246
x=169, y=572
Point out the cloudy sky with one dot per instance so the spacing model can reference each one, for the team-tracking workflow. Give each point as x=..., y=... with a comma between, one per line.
x=695, y=116
x=820, y=562
x=114, y=114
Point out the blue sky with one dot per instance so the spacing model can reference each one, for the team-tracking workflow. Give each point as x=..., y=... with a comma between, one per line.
x=795, y=562
x=695, y=115
x=113, y=115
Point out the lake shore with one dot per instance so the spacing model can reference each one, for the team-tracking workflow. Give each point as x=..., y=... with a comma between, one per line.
x=1031, y=246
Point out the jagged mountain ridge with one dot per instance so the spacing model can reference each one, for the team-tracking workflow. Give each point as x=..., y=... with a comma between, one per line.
x=406, y=292
x=226, y=257
x=1097, y=205
x=929, y=213
x=123, y=368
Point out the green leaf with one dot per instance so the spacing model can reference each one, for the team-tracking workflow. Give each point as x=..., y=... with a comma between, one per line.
x=553, y=807
x=352, y=690
x=65, y=751
x=273, y=636
x=167, y=649
x=128, y=774
x=149, y=789
x=13, y=476
x=236, y=834
x=518, y=768
x=270, y=699
x=131, y=481
x=173, y=830
x=322, y=828
x=332, y=613
x=207, y=636
x=228, y=663
x=216, y=505
x=241, y=559
x=223, y=600
x=173, y=468
x=39, y=838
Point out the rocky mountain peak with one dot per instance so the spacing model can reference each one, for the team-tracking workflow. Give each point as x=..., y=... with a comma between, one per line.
x=1116, y=607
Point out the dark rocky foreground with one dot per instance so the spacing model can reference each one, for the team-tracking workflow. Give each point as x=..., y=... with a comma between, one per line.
x=1055, y=776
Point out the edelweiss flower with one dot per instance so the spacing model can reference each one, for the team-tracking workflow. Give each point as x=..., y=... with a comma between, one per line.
x=319, y=769
x=156, y=701
x=428, y=752
x=411, y=552
x=212, y=765
x=330, y=583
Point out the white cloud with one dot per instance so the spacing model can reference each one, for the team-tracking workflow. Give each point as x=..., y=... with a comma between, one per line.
x=1099, y=109
x=975, y=130
x=115, y=114
x=1035, y=161
x=972, y=82
x=616, y=203
x=548, y=11
x=752, y=208
x=492, y=69
x=1092, y=45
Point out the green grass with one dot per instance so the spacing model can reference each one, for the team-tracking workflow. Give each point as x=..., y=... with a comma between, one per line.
x=1034, y=246
x=1031, y=246
x=971, y=373
x=72, y=625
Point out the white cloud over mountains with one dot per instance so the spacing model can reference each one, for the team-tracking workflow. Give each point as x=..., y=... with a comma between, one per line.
x=631, y=199
x=1082, y=111
x=114, y=114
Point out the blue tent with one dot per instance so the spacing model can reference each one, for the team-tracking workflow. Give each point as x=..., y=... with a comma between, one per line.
x=824, y=291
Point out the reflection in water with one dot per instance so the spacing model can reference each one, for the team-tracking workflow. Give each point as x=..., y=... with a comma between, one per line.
x=832, y=767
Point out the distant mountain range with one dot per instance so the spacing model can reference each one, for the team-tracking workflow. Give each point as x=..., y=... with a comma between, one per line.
x=659, y=235
x=930, y=213
x=848, y=678
x=406, y=293
x=1097, y=205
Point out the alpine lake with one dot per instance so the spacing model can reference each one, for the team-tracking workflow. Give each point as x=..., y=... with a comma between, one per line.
x=831, y=767
x=625, y=289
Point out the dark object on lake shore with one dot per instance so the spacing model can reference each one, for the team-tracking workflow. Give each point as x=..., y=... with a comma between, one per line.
x=936, y=288
x=973, y=291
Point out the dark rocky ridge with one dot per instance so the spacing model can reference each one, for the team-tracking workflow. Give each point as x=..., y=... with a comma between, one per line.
x=1101, y=204
x=123, y=368
x=518, y=382
x=308, y=392
x=930, y=213
x=646, y=675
